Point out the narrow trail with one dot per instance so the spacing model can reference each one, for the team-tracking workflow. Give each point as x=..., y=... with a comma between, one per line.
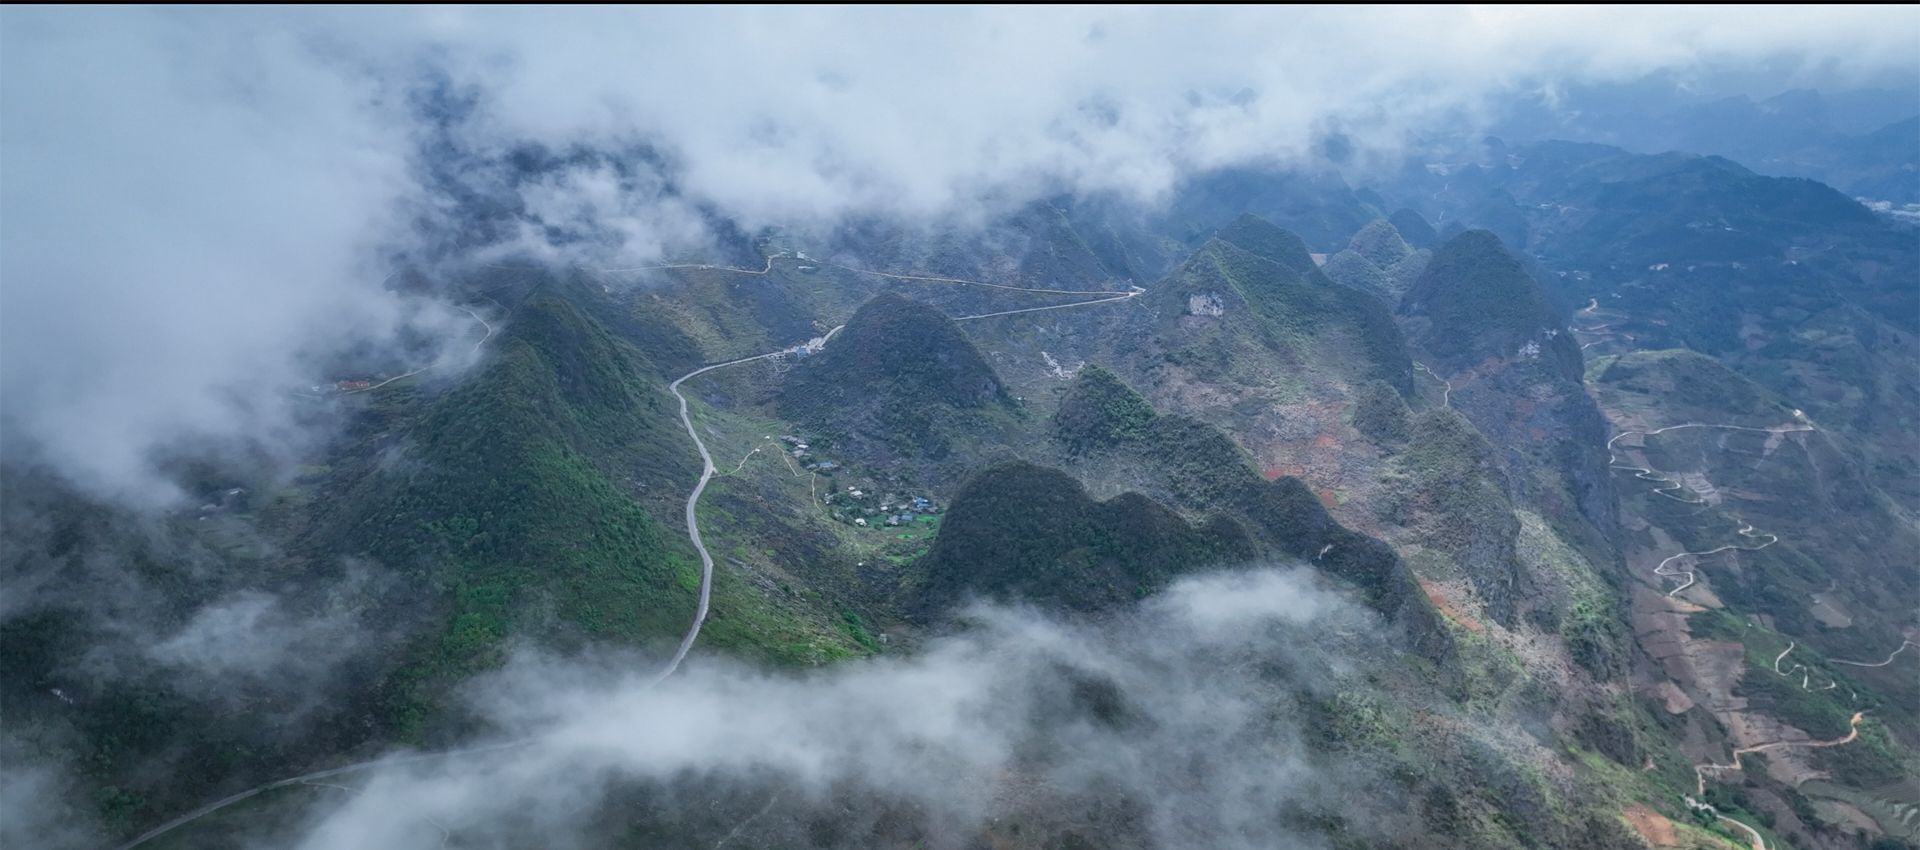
x=693, y=534
x=735, y=832
x=1670, y=485
x=307, y=778
x=813, y=478
x=1890, y=656
x=1446, y=387
x=1700, y=772
x=1604, y=331
x=749, y=456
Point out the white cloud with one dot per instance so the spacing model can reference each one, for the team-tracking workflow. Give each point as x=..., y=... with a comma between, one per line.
x=188, y=223
x=795, y=113
x=194, y=199
x=1192, y=729
x=251, y=636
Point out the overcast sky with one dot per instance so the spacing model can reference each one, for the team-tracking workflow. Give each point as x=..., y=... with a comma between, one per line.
x=194, y=203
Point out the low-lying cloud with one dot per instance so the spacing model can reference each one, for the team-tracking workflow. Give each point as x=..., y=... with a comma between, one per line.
x=1181, y=724
x=250, y=639
x=192, y=212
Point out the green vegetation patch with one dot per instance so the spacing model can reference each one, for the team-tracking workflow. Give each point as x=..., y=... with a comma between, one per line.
x=1018, y=530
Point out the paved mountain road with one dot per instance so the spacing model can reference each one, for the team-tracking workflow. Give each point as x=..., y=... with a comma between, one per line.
x=1890, y=656
x=707, y=468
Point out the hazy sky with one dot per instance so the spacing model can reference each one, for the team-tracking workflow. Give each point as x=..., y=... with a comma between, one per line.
x=194, y=202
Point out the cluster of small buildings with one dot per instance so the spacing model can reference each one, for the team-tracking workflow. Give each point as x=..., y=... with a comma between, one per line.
x=861, y=505
x=867, y=509
x=796, y=447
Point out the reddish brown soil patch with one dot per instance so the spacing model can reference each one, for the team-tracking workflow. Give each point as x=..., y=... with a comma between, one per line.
x=1654, y=829
x=1448, y=609
x=1325, y=441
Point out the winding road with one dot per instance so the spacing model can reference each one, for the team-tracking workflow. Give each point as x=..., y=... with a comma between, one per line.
x=707, y=468
x=1670, y=486
x=1603, y=331
x=1806, y=673
x=693, y=503
x=1890, y=656
x=1700, y=772
x=707, y=471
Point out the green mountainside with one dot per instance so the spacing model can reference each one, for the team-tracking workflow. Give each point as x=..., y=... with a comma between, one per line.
x=1420, y=427
x=1378, y=262
x=1227, y=297
x=1027, y=532
x=899, y=375
x=1475, y=303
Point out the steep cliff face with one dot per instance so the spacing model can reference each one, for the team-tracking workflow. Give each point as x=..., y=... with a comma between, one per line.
x=1515, y=371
